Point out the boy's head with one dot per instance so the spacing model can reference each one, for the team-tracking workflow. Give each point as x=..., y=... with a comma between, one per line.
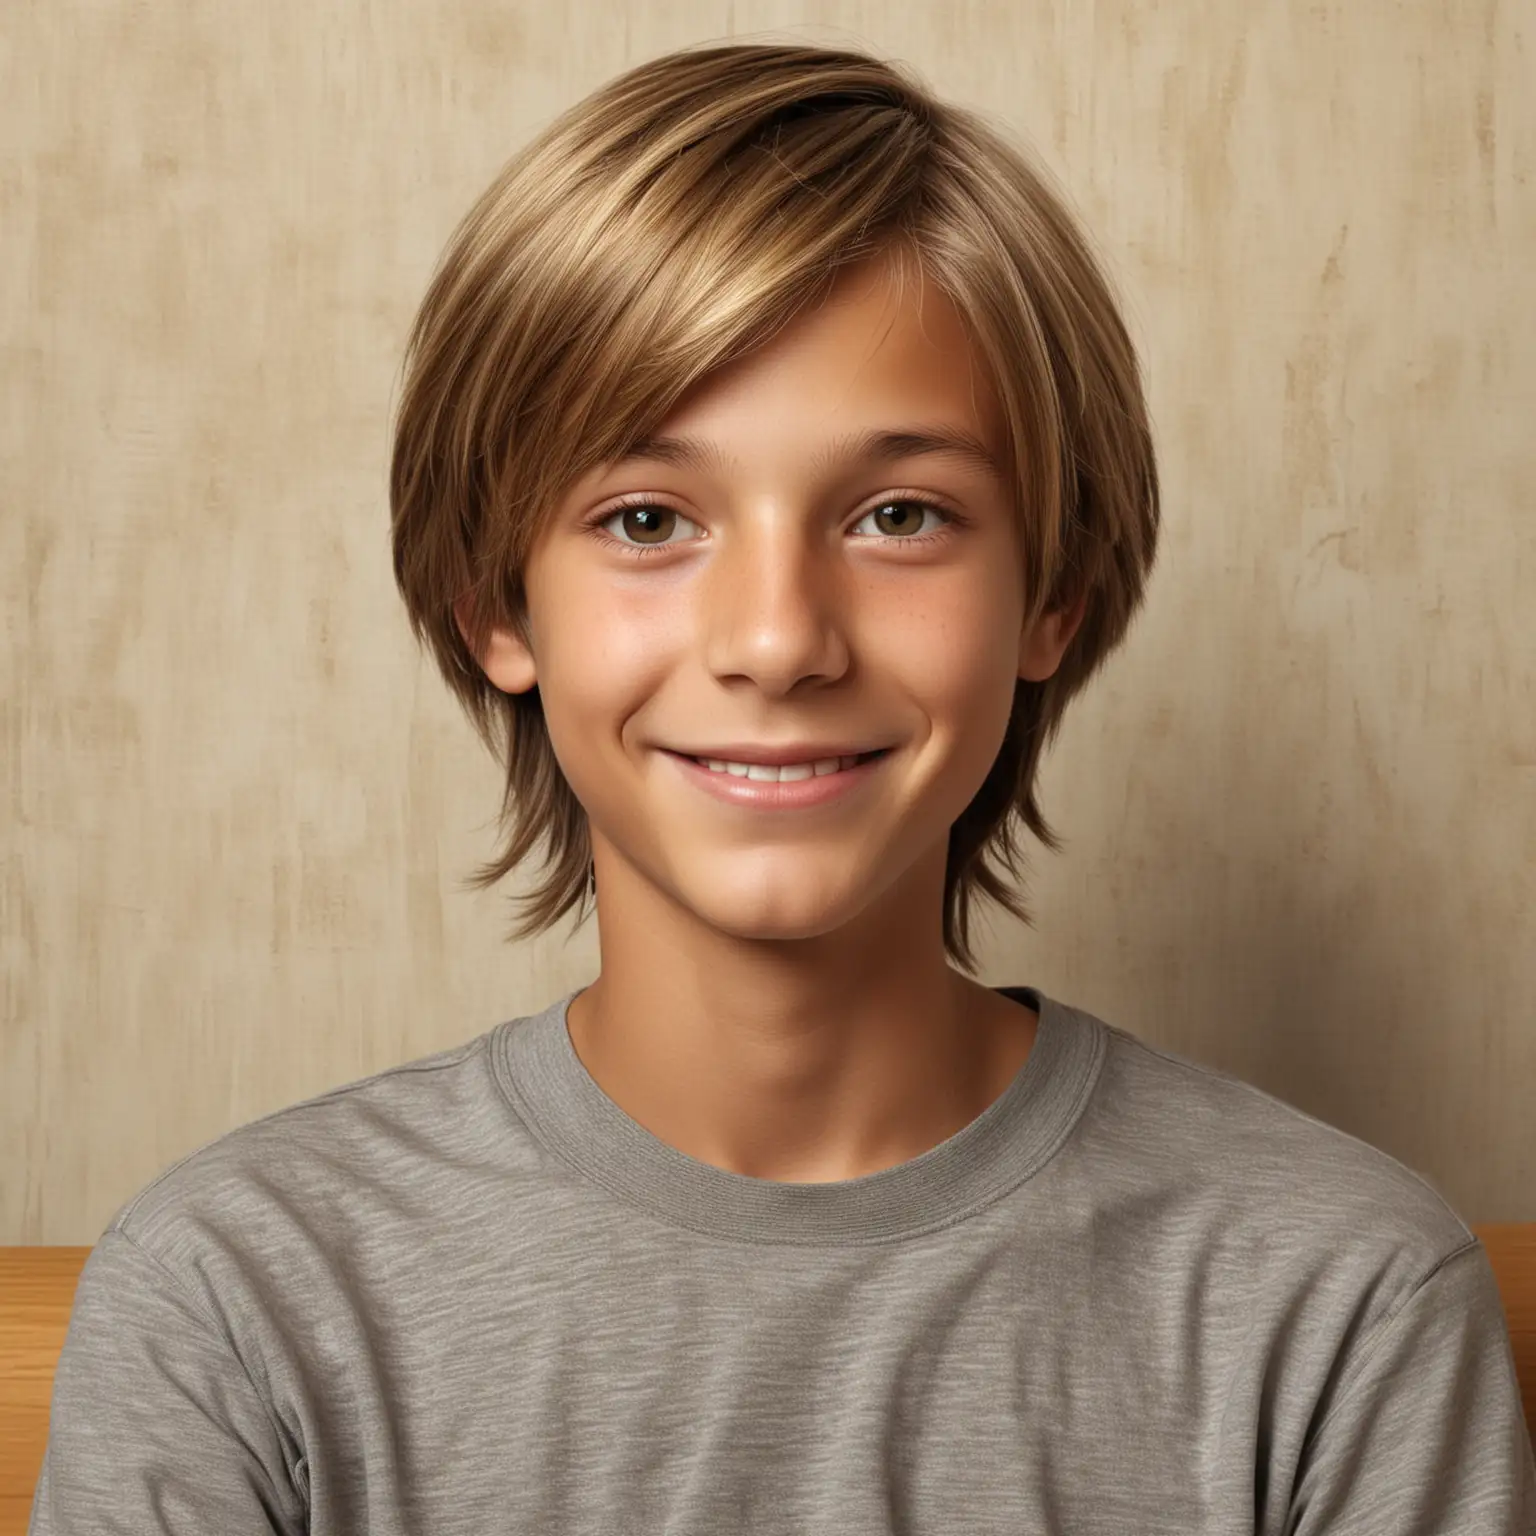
x=772, y=250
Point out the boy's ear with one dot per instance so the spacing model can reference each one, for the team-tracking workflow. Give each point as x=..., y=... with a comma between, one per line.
x=505, y=659
x=1041, y=648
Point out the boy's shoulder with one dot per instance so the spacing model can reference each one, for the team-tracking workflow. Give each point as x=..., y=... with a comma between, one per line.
x=322, y=1155
x=1280, y=1178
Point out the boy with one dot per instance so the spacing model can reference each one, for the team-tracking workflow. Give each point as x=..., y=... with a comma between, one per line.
x=768, y=412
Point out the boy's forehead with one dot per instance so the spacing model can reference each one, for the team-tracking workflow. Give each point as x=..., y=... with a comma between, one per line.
x=879, y=360
x=874, y=319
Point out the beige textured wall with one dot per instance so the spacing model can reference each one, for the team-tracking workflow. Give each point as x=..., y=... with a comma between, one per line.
x=1301, y=807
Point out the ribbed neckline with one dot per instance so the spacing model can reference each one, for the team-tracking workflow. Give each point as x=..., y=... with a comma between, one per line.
x=550, y=1089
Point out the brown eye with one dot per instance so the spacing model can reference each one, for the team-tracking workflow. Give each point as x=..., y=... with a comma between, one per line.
x=900, y=517
x=644, y=524
x=649, y=525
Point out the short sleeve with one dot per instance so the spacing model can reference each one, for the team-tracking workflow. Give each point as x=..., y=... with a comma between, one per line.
x=1427, y=1437
x=155, y=1427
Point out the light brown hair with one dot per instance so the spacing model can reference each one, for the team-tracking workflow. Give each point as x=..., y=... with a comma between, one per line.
x=673, y=220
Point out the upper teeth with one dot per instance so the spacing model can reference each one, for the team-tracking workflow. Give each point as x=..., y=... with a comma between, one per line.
x=788, y=771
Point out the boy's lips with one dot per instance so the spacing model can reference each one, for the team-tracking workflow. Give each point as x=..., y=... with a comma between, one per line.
x=782, y=794
x=774, y=757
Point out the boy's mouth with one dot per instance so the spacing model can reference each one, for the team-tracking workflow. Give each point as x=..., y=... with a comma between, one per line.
x=819, y=767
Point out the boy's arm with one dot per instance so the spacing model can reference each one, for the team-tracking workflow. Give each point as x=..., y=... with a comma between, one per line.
x=155, y=1426
x=1427, y=1437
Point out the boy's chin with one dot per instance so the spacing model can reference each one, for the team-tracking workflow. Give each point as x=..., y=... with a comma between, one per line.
x=798, y=906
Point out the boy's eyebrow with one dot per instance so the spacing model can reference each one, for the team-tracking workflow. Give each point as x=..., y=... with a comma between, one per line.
x=875, y=445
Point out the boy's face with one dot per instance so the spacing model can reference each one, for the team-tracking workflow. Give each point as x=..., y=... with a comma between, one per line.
x=789, y=597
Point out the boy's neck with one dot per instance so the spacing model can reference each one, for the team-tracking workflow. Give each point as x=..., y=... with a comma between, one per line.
x=801, y=1088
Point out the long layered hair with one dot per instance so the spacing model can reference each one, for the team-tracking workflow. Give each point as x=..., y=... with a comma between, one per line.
x=674, y=220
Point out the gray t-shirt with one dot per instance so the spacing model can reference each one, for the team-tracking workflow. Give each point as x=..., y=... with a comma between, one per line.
x=470, y=1294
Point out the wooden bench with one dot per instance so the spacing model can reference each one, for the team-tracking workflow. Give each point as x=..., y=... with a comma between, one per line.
x=37, y=1290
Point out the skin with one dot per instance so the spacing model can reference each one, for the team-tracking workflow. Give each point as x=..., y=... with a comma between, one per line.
x=774, y=996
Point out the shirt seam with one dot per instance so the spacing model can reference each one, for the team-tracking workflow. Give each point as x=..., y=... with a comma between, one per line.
x=301, y=1483
x=1368, y=1349
x=522, y=1106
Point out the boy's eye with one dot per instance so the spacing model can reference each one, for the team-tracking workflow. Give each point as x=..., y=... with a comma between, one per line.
x=645, y=525
x=648, y=523
x=908, y=515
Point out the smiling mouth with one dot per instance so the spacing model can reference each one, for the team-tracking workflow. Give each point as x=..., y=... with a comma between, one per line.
x=769, y=773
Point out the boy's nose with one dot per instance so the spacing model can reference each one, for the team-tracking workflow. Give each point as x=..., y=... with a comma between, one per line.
x=777, y=612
